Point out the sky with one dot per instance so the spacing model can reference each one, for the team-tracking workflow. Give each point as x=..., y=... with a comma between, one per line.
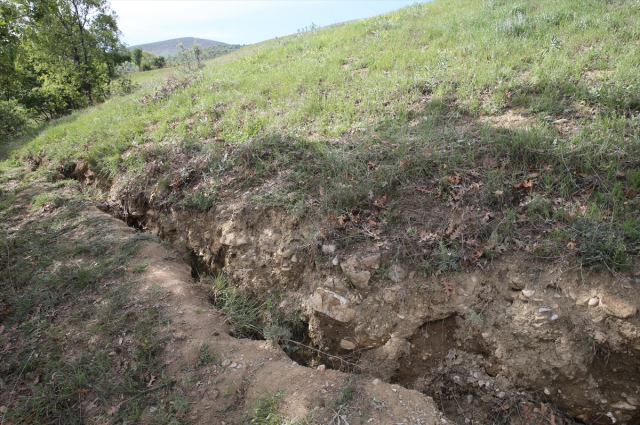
x=236, y=22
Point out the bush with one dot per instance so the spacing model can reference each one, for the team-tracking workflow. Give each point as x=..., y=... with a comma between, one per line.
x=13, y=121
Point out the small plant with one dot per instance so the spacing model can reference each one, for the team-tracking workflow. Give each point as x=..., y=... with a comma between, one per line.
x=344, y=396
x=265, y=411
x=139, y=268
x=555, y=44
x=278, y=334
x=205, y=356
x=448, y=258
x=476, y=319
x=382, y=272
x=244, y=313
x=378, y=404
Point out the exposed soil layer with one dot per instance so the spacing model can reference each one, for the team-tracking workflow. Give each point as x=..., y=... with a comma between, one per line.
x=480, y=341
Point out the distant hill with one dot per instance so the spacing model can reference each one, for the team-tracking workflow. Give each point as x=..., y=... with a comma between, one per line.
x=170, y=47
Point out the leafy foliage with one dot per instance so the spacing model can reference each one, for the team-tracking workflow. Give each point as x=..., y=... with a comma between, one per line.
x=59, y=56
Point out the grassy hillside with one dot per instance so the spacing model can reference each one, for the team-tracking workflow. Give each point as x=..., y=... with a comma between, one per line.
x=170, y=47
x=520, y=117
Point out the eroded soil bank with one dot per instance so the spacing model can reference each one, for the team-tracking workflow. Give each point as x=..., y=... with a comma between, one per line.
x=517, y=327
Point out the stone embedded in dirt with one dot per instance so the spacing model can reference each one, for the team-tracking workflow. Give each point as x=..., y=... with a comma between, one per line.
x=332, y=304
x=623, y=405
x=371, y=261
x=375, y=381
x=617, y=307
x=334, y=282
x=354, y=269
x=233, y=239
x=335, y=261
x=294, y=258
x=233, y=365
x=328, y=249
x=390, y=295
x=321, y=368
x=347, y=345
x=544, y=310
x=528, y=292
x=554, y=317
x=226, y=363
x=360, y=279
x=517, y=282
x=397, y=273
x=594, y=302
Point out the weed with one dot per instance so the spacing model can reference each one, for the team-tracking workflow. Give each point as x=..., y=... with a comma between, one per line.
x=382, y=272
x=344, y=396
x=265, y=411
x=244, y=313
x=205, y=355
x=476, y=319
x=139, y=268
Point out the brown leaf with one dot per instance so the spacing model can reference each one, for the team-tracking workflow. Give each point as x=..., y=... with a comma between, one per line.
x=153, y=378
x=525, y=184
x=1, y=328
x=571, y=245
x=498, y=192
x=429, y=238
x=404, y=162
x=487, y=216
x=3, y=409
x=82, y=390
x=373, y=223
x=455, y=179
x=447, y=286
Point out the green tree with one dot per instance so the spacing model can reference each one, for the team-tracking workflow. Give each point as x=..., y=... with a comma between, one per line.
x=68, y=53
x=159, y=62
x=136, y=53
x=197, y=52
x=185, y=56
x=9, y=45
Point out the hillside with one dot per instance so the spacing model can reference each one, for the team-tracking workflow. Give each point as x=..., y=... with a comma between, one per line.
x=441, y=203
x=170, y=47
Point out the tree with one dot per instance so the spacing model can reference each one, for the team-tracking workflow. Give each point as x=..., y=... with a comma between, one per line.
x=136, y=53
x=159, y=62
x=68, y=53
x=9, y=45
x=197, y=52
x=185, y=56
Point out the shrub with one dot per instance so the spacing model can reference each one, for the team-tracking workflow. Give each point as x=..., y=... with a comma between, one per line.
x=13, y=120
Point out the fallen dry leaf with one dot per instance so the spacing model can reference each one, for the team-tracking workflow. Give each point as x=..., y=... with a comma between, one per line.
x=498, y=192
x=525, y=184
x=153, y=378
x=571, y=245
x=3, y=409
x=455, y=179
x=1, y=328
x=447, y=286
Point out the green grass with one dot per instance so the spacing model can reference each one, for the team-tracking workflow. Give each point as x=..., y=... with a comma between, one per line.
x=66, y=311
x=398, y=108
x=265, y=411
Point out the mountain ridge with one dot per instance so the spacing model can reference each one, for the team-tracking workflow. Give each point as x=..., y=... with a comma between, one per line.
x=170, y=47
